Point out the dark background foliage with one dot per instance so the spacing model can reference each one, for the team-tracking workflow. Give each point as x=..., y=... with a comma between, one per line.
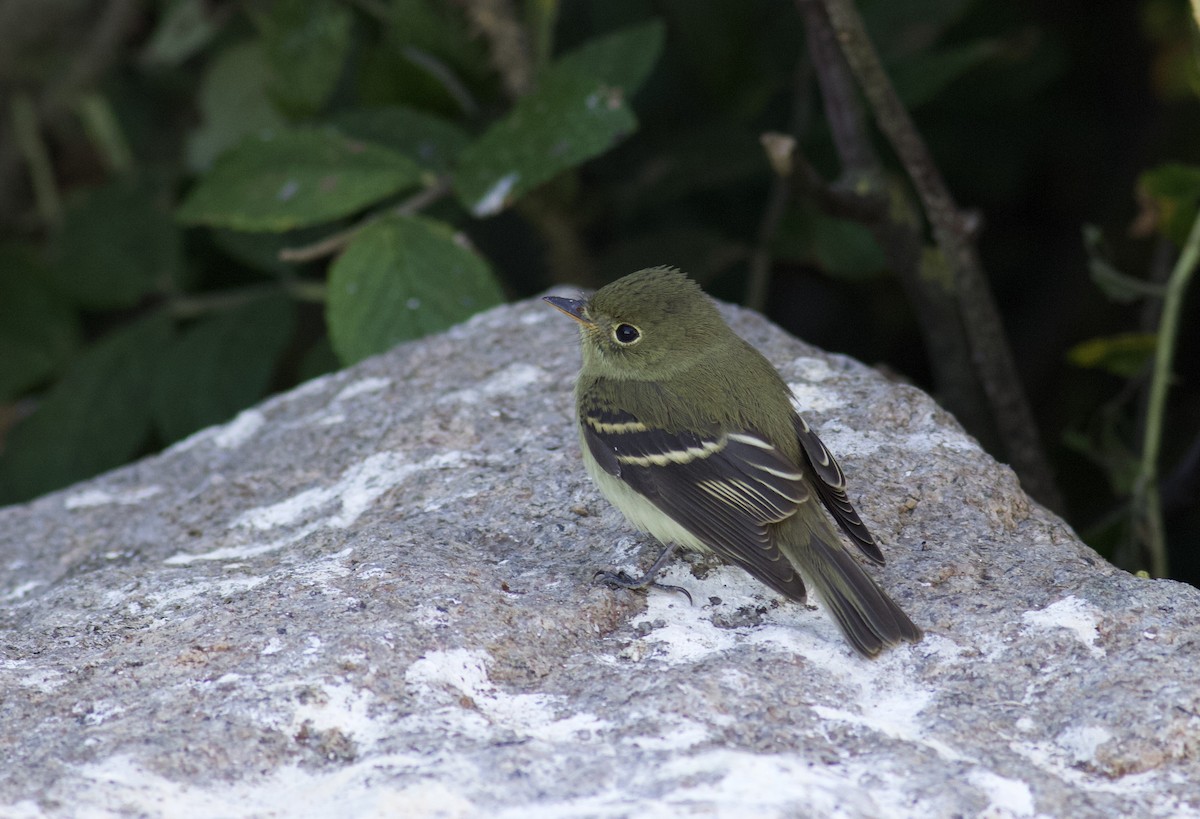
x=417, y=160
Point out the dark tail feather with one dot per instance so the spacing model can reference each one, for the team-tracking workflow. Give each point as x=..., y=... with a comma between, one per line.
x=869, y=618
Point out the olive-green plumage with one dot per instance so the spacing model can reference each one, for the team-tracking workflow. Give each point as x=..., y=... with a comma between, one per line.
x=691, y=433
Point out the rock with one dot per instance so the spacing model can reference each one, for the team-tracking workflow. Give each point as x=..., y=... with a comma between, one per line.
x=371, y=596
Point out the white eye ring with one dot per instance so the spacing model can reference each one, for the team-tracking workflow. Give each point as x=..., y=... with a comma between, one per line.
x=626, y=334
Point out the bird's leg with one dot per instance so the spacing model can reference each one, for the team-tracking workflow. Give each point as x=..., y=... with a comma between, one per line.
x=624, y=581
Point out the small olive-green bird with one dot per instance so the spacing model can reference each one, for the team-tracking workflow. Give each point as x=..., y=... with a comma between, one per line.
x=691, y=433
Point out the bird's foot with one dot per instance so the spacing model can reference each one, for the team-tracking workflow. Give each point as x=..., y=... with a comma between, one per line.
x=621, y=579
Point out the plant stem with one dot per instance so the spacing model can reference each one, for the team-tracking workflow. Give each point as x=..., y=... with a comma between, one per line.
x=952, y=230
x=1147, y=502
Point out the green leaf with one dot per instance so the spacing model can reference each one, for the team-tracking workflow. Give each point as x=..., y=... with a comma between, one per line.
x=1119, y=287
x=437, y=29
x=579, y=110
x=403, y=278
x=233, y=103
x=182, y=31
x=623, y=60
x=432, y=141
x=428, y=59
x=568, y=120
x=1174, y=190
x=96, y=418
x=38, y=331
x=306, y=43
x=294, y=179
x=116, y=246
x=1125, y=354
x=220, y=365
x=840, y=248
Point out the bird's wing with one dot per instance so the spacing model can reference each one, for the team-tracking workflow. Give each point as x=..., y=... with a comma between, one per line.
x=724, y=488
x=831, y=488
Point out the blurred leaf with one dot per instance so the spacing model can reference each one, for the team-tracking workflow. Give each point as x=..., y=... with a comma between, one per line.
x=1174, y=190
x=233, y=103
x=306, y=43
x=1118, y=286
x=438, y=29
x=182, y=31
x=116, y=245
x=38, y=331
x=579, y=110
x=403, y=278
x=428, y=60
x=566, y=121
x=1125, y=354
x=840, y=248
x=96, y=418
x=220, y=365
x=432, y=141
x=923, y=77
x=623, y=60
x=296, y=178
x=739, y=54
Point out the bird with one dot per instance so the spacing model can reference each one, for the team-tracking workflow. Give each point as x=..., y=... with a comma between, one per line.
x=691, y=433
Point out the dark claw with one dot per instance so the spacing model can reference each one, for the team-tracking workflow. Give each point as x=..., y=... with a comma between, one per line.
x=622, y=580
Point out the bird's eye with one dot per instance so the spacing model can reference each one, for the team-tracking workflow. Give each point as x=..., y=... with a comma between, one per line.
x=626, y=334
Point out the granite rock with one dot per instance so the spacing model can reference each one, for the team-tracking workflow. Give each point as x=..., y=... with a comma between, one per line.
x=372, y=596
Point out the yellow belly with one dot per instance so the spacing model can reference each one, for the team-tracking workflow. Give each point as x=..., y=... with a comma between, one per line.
x=638, y=510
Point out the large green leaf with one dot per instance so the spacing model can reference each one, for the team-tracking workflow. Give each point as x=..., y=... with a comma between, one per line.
x=306, y=43
x=38, y=331
x=220, y=365
x=432, y=141
x=296, y=178
x=579, y=110
x=402, y=278
x=568, y=120
x=116, y=245
x=184, y=28
x=623, y=59
x=95, y=418
x=233, y=103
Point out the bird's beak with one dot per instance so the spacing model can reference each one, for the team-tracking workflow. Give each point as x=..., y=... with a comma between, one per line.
x=572, y=307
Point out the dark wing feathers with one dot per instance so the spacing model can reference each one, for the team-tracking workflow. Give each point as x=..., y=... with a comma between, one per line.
x=831, y=487
x=724, y=488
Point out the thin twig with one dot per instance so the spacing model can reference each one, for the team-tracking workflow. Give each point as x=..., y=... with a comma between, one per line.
x=953, y=233
x=192, y=306
x=1147, y=504
x=866, y=196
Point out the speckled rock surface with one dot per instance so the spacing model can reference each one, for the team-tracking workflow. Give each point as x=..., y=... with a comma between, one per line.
x=371, y=596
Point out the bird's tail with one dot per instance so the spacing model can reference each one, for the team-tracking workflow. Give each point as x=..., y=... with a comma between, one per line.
x=869, y=618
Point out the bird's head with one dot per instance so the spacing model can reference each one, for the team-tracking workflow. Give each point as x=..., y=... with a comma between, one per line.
x=645, y=326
